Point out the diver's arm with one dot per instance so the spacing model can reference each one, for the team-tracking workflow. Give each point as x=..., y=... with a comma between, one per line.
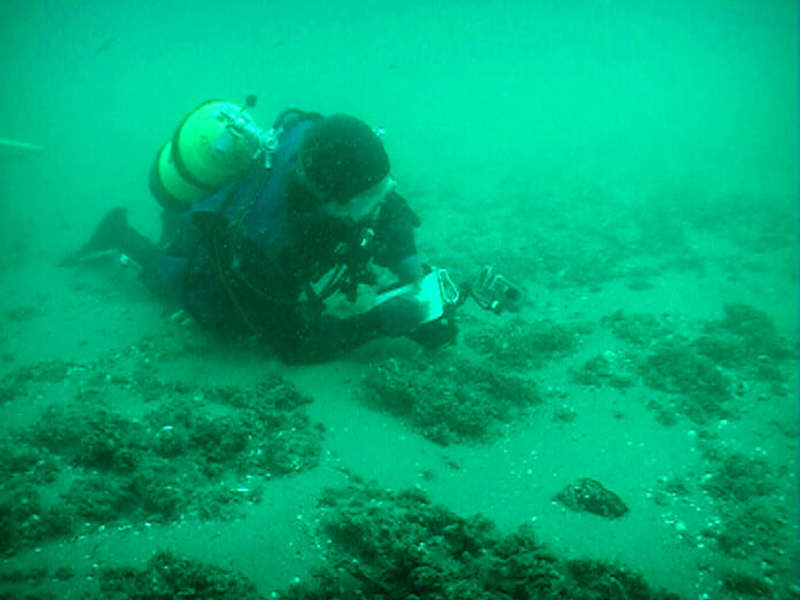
x=324, y=337
x=394, y=236
x=409, y=268
x=318, y=337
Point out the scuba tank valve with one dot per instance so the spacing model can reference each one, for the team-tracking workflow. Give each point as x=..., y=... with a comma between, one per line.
x=215, y=143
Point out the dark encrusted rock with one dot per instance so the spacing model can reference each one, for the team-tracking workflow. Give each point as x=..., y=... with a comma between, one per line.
x=588, y=495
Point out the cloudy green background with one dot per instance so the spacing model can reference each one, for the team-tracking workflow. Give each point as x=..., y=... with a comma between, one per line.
x=565, y=126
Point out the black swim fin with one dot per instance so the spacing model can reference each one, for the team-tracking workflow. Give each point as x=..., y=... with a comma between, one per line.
x=108, y=236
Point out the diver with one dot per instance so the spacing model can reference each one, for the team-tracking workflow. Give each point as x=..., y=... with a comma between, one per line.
x=266, y=232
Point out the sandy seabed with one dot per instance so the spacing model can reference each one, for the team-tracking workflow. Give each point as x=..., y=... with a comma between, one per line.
x=662, y=348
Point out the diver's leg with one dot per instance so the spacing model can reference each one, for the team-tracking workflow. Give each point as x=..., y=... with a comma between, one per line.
x=170, y=226
x=103, y=238
x=114, y=233
x=162, y=274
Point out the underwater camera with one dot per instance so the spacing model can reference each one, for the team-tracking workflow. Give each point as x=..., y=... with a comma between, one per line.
x=493, y=291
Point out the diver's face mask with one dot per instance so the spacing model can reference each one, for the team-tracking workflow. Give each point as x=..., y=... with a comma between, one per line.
x=365, y=206
x=359, y=208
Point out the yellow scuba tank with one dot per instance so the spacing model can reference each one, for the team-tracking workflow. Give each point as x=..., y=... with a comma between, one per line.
x=214, y=144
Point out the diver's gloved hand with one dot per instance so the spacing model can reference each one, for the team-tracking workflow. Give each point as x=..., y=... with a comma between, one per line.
x=422, y=310
x=435, y=334
x=399, y=316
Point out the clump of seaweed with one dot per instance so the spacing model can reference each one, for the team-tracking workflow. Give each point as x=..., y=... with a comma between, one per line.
x=698, y=373
x=26, y=517
x=740, y=478
x=752, y=523
x=740, y=582
x=748, y=529
x=746, y=339
x=400, y=545
x=169, y=576
x=669, y=490
x=449, y=403
x=15, y=382
x=525, y=345
x=640, y=329
x=608, y=368
x=703, y=389
x=741, y=218
x=163, y=466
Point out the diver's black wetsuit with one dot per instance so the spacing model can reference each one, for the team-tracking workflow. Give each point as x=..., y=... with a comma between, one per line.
x=243, y=259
